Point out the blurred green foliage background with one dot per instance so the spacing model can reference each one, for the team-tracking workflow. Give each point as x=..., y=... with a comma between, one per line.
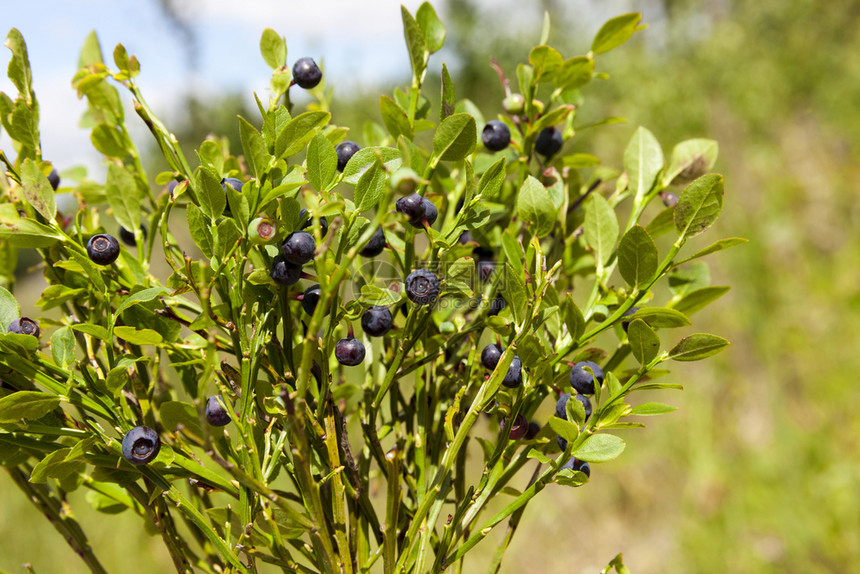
x=757, y=472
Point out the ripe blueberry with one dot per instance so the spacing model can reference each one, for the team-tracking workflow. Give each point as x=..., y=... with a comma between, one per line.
x=669, y=198
x=345, y=151
x=140, y=445
x=299, y=247
x=310, y=298
x=582, y=381
x=422, y=287
x=127, y=236
x=306, y=73
x=533, y=431
x=323, y=222
x=233, y=182
x=514, y=376
x=284, y=272
x=103, y=249
x=216, y=415
x=560, y=406
x=485, y=268
x=519, y=428
x=349, y=351
x=54, y=178
x=430, y=213
x=490, y=356
x=496, y=135
x=626, y=324
x=377, y=321
x=548, y=142
x=466, y=238
x=417, y=209
x=374, y=245
x=497, y=305
x=24, y=326
x=577, y=465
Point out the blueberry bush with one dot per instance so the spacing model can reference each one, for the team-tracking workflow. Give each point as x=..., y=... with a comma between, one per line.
x=232, y=403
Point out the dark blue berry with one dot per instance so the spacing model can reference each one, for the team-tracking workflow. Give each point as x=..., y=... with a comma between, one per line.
x=306, y=73
x=103, y=249
x=582, y=381
x=307, y=221
x=548, y=142
x=216, y=415
x=284, y=272
x=533, y=431
x=412, y=206
x=54, y=178
x=496, y=135
x=377, y=321
x=375, y=245
x=422, y=287
x=24, y=326
x=490, y=356
x=497, y=305
x=299, y=247
x=345, y=151
x=430, y=213
x=349, y=351
x=577, y=465
x=310, y=298
x=561, y=405
x=514, y=376
x=127, y=236
x=519, y=428
x=235, y=184
x=140, y=445
x=466, y=238
x=485, y=268
x=626, y=324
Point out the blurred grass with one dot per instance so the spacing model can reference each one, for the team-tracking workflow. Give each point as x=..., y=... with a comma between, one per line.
x=757, y=471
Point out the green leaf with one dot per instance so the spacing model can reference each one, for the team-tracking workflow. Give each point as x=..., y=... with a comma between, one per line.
x=373, y=295
x=576, y=73
x=9, y=310
x=554, y=117
x=462, y=270
x=699, y=205
x=650, y=409
x=663, y=222
x=63, y=347
x=643, y=160
x=109, y=141
x=601, y=228
x=138, y=336
x=538, y=455
x=321, y=163
x=37, y=189
x=694, y=275
x=176, y=415
x=56, y=466
x=492, y=179
x=546, y=61
x=637, y=257
x=117, y=378
x=644, y=342
x=697, y=347
x=91, y=52
x=431, y=27
x=19, y=66
x=27, y=232
x=199, y=227
x=254, y=147
x=714, y=247
x=298, y=132
x=210, y=193
x=369, y=188
x=661, y=317
x=565, y=429
x=600, y=448
x=573, y=318
x=395, y=119
x=535, y=206
x=415, y=42
x=122, y=196
x=27, y=405
x=455, y=137
x=691, y=159
x=106, y=504
x=615, y=32
x=273, y=47
x=515, y=293
x=141, y=297
x=96, y=331
x=366, y=157
x=513, y=252
x=699, y=298
x=449, y=100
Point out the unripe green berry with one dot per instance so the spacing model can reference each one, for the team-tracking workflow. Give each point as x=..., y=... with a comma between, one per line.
x=262, y=230
x=404, y=181
x=515, y=104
